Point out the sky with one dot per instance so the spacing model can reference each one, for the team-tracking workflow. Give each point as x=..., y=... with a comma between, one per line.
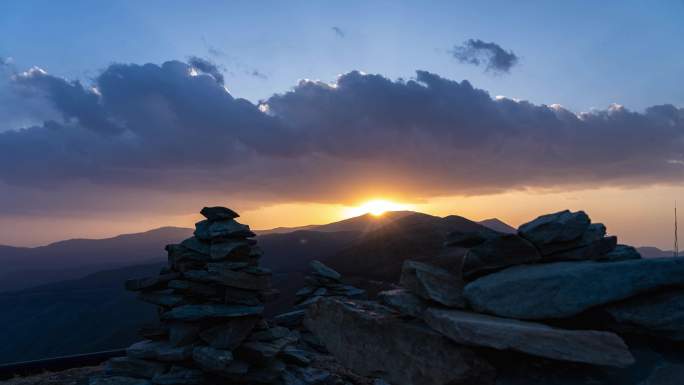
x=123, y=116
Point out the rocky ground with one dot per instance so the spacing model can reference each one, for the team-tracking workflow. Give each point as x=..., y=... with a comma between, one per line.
x=76, y=376
x=557, y=303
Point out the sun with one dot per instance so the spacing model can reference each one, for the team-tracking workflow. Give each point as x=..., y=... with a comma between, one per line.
x=375, y=207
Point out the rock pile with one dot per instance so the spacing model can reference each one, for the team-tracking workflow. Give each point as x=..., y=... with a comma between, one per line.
x=558, y=291
x=210, y=300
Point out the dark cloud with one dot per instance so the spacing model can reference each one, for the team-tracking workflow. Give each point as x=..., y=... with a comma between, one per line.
x=207, y=67
x=338, y=32
x=165, y=129
x=481, y=53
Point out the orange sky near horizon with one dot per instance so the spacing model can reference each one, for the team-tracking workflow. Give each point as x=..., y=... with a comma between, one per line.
x=639, y=216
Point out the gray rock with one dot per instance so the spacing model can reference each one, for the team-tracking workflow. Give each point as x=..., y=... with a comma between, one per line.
x=303, y=305
x=256, y=279
x=267, y=373
x=159, y=351
x=218, y=213
x=150, y=283
x=212, y=359
x=229, y=249
x=196, y=245
x=666, y=374
x=660, y=314
x=565, y=289
x=262, y=351
x=194, y=288
x=496, y=253
x=621, y=253
x=131, y=367
x=117, y=380
x=233, y=295
x=586, y=346
x=179, y=375
x=305, y=376
x=371, y=340
x=593, y=250
x=223, y=229
x=230, y=333
x=560, y=227
x=432, y=283
x=231, y=278
x=324, y=271
x=200, y=312
x=270, y=334
x=290, y=319
x=295, y=356
x=178, y=253
x=404, y=301
x=183, y=333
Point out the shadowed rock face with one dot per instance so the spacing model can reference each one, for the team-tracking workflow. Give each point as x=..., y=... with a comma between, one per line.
x=587, y=346
x=563, y=226
x=371, y=340
x=432, y=283
x=660, y=314
x=565, y=289
x=498, y=252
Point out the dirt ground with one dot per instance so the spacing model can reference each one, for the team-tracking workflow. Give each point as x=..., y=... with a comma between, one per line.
x=75, y=376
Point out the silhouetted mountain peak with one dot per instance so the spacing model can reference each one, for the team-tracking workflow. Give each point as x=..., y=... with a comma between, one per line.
x=498, y=225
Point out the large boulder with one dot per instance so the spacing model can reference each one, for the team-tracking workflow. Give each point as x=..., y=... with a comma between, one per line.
x=561, y=227
x=404, y=302
x=660, y=314
x=372, y=340
x=565, y=289
x=432, y=283
x=586, y=346
x=498, y=252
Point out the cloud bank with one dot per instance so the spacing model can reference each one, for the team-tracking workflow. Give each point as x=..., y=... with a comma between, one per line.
x=140, y=132
x=490, y=55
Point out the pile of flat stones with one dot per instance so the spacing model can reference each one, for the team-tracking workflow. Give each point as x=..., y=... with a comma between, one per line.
x=210, y=302
x=321, y=282
x=557, y=302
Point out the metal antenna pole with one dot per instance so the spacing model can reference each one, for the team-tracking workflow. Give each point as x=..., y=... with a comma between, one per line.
x=676, y=240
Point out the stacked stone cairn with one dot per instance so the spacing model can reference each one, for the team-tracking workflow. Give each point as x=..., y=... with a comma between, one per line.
x=321, y=282
x=210, y=301
x=558, y=302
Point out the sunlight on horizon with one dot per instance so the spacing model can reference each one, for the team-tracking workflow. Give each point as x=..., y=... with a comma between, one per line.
x=375, y=207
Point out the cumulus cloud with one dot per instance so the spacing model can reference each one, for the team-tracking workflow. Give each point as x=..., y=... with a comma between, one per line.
x=207, y=67
x=490, y=55
x=163, y=129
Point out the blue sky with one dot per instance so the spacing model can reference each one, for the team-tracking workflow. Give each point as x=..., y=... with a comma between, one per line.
x=159, y=140
x=581, y=54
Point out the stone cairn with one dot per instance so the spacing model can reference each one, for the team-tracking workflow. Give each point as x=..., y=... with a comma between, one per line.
x=210, y=300
x=558, y=302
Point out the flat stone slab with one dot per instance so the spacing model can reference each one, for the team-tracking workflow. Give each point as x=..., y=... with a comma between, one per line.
x=565, y=289
x=200, y=312
x=159, y=351
x=324, y=271
x=371, y=340
x=586, y=346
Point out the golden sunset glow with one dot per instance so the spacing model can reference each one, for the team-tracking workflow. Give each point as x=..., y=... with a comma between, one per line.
x=376, y=207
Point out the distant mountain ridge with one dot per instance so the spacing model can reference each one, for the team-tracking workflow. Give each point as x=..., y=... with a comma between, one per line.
x=363, y=223
x=23, y=267
x=498, y=225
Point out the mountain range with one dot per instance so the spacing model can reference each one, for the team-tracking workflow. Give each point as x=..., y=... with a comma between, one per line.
x=48, y=292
